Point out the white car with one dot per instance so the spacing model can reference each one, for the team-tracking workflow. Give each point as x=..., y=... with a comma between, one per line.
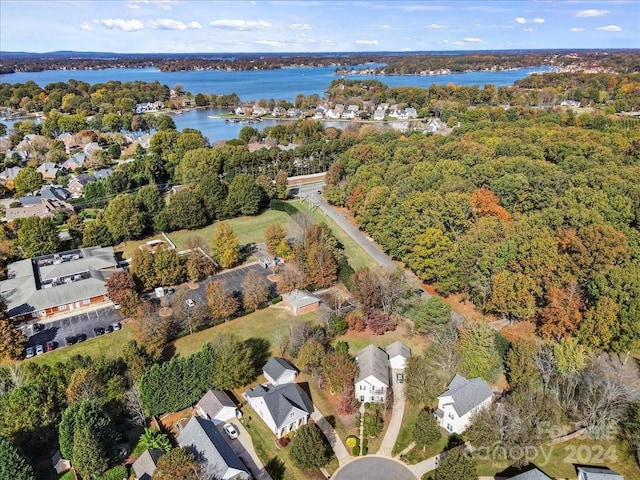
x=190, y=303
x=39, y=349
x=117, y=306
x=230, y=430
x=29, y=352
x=116, y=326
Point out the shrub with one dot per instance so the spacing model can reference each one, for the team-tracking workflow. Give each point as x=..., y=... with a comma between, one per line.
x=352, y=441
x=355, y=451
x=116, y=473
x=283, y=442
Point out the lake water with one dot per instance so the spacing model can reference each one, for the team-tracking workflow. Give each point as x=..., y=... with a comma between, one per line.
x=279, y=84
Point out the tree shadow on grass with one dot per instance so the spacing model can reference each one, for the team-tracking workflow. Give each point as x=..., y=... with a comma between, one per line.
x=276, y=468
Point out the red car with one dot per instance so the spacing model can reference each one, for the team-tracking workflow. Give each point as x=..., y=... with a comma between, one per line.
x=51, y=346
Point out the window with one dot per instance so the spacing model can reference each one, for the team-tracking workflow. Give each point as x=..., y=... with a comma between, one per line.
x=292, y=414
x=451, y=416
x=86, y=301
x=62, y=307
x=449, y=427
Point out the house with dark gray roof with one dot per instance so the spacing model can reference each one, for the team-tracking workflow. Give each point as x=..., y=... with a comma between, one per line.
x=300, y=301
x=45, y=285
x=203, y=438
x=278, y=371
x=284, y=408
x=216, y=406
x=398, y=353
x=9, y=173
x=462, y=398
x=372, y=382
x=597, y=473
x=533, y=474
x=146, y=464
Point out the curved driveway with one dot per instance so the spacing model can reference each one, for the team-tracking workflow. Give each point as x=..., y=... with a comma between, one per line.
x=374, y=468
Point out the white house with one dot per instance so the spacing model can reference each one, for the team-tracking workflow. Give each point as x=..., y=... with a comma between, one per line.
x=462, y=398
x=597, y=473
x=378, y=114
x=373, y=378
x=278, y=371
x=398, y=353
x=216, y=406
x=284, y=408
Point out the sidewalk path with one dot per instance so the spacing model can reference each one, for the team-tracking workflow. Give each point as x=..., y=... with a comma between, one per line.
x=332, y=436
x=395, y=424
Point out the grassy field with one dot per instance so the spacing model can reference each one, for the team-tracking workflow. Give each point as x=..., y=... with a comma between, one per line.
x=263, y=324
x=247, y=229
x=559, y=460
x=109, y=345
x=358, y=340
x=127, y=248
x=405, y=437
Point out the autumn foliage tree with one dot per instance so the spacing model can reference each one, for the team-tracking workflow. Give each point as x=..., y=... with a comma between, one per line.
x=274, y=234
x=222, y=303
x=255, y=291
x=339, y=369
x=121, y=288
x=562, y=315
x=225, y=248
x=485, y=203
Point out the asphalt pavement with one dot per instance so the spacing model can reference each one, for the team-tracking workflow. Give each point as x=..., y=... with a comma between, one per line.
x=374, y=468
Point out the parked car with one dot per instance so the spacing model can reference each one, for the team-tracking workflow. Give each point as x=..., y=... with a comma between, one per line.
x=98, y=331
x=117, y=306
x=29, y=352
x=230, y=430
x=108, y=328
x=190, y=303
x=70, y=340
x=51, y=346
x=171, y=291
x=399, y=377
x=38, y=327
x=39, y=349
x=116, y=326
x=81, y=337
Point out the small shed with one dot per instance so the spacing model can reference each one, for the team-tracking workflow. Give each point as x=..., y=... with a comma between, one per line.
x=216, y=406
x=299, y=302
x=146, y=464
x=278, y=371
x=60, y=465
x=399, y=353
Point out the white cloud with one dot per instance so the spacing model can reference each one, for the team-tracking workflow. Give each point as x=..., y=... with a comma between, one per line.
x=385, y=27
x=591, y=13
x=458, y=44
x=437, y=26
x=270, y=43
x=472, y=40
x=300, y=26
x=85, y=26
x=194, y=25
x=530, y=29
x=538, y=20
x=367, y=42
x=126, y=25
x=610, y=28
x=132, y=6
x=161, y=4
x=167, y=24
x=576, y=29
x=243, y=25
x=521, y=20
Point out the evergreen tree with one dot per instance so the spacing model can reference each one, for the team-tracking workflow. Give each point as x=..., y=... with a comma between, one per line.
x=456, y=465
x=425, y=431
x=309, y=448
x=12, y=464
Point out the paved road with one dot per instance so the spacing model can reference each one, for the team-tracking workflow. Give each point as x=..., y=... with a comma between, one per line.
x=84, y=322
x=374, y=468
x=395, y=424
x=367, y=243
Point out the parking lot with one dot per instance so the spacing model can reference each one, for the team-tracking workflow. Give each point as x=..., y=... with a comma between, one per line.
x=233, y=279
x=58, y=330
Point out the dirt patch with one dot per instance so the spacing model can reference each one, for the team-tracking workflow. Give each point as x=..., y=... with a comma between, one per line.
x=519, y=330
x=165, y=312
x=192, y=285
x=170, y=420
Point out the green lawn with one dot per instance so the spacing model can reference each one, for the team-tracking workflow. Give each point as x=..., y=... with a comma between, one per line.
x=356, y=256
x=559, y=460
x=263, y=324
x=127, y=248
x=109, y=345
x=247, y=229
x=405, y=437
x=358, y=340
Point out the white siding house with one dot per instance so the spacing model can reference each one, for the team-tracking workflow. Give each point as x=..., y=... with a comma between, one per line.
x=373, y=379
x=597, y=473
x=278, y=371
x=284, y=408
x=216, y=406
x=398, y=353
x=462, y=398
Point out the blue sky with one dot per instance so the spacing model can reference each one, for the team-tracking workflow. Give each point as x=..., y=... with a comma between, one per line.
x=178, y=26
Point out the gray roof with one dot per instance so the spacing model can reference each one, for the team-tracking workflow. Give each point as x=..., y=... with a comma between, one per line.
x=10, y=172
x=276, y=367
x=213, y=401
x=398, y=349
x=533, y=474
x=467, y=394
x=373, y=361
x=104, y=173
x=145, y=464
x=202, y=436
x=300, y=298
x=24, y=292
x=595, y=473
x=281, y=399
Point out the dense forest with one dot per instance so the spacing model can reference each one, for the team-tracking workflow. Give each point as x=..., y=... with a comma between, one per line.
x=533, y=220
